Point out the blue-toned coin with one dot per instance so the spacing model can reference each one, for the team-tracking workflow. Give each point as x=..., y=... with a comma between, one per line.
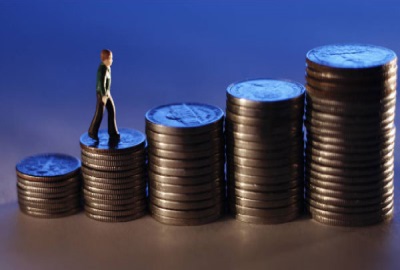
x=265, y=91
x=48, y=166
x=351, y=56
x=184, y=116
x=130, y=140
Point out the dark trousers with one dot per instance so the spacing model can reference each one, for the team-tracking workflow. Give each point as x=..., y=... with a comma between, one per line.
x=98, y=116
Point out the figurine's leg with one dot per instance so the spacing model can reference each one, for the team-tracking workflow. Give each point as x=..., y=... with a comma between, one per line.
x=112, y=121
x=98, y=116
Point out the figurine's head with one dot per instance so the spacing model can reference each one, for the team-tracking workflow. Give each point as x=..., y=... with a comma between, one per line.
x=106, y=57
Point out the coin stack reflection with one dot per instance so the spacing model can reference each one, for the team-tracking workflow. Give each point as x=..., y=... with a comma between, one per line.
x=114, y=176
x=351, y=96
x=264, y=120
x=49, y=185
x=186, y=163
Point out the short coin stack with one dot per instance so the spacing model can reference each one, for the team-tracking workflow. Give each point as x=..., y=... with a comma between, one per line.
x=264, y=123
x=114, y=176
x=49, y=185
x=351, y=97
x=186, y=163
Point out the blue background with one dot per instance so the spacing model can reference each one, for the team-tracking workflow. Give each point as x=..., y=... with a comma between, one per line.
x=163, y=52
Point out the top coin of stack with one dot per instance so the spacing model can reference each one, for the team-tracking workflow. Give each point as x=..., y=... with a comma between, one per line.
x=49, y=185
x=351, y=97
x=264, y=121
x=114, y=176
x=185, y=163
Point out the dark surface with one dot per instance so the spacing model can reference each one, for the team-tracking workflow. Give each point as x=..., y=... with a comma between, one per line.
x=164, y=53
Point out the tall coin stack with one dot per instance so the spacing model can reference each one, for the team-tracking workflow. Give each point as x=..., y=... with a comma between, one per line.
x=186, y=163
x=264, y=134
x=49, y=185
x=351, y=97
x=114, y=176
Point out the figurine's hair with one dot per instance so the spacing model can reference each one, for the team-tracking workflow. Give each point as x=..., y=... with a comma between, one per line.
x=105, y=54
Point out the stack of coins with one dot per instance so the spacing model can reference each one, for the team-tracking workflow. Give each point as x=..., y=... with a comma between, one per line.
x=49, y=185
x=351, y=96
x=186, y=163
x=114, y=176
x=264, y=134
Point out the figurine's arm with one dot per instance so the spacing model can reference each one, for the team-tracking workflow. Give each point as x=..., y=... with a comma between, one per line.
x=103, y=80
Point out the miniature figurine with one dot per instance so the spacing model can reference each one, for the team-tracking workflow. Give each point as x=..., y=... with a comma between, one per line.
x=104, y=99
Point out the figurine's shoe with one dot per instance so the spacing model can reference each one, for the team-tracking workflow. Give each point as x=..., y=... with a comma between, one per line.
x=115, y=137
x=93, y=136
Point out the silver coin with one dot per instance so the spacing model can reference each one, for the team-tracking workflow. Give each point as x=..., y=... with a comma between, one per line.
x=116, y=197
x=186, y=172
x=265, y=188
x=263, y=138
x=267, y=220
x=103, y=168
x=139, y=161
x=282, y=153
x=266, y=163
x=264, y=180
x=352, y=223
x=282, y=130
x=116, y=218
x=335, y=149
x=196, y=147
x=130, y=141
x=184, y=118
x=264, y=196
x=48, y=190
x=348, y=179
x=58, y=184
x=187, y=214
x=121, y=157
x=265, y=212
x=292, y=169
x=121, y=207
x=139, y=188
x=261, y=93
x=141, y=177
x=49, y=201
x=186, y=155
x=50, y=215
x=53, y=206
x=212, y=185
x=178, y=180
x=265, y=121
x=48, y=167
x=112, y=174
x=182, y=139
x=48, y=210
x=114, y=202
x=41, y=195
x=259, y=146
x=273, y=204
x=185, y=205
x=294, y=109
x=119, y=213
x=185, y=197
x=174, y=163
x=122, y=186
x=186, y=221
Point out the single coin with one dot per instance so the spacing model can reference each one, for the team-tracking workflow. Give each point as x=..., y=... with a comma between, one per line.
x=185, y=205
x=186, y=221
x=49, y=201
x=342, y=194
x=130, y=141
x=264, y=138
x=130, y=167
x=380, y=199
x=348, y=210
x=212, y=185
x=265, y=188
x=50, y=207
x=282, y=153
x=119, y=213
x=114, y=202
x=116, y=181
x=184, y=118
x=263, y=121
x=176, y=163
x=178, y=180
x=139, y=161
x=49, y=167
x=47, y=210
x=50, y=215
x=186, y=172
x=264, y=180
x=103, y=196
x=265, y=196
x=49, y=190
x=187, y=214
x=292, y=110
x=41, y=195
x=111, y=207
x=186, y=197
x=292, y=169
x=115, y=218
x=216, y=143
x=267, y=220
x=112, y=174
x=273, y=204
x=133, y=190
x=58, y=184
x=348, y=149
x=260, y=146
x=261, y=93
x=266, y=163
x=120, y=157
x=186, y=155
x=350, y=187
x=182, y=139
x=265, y=212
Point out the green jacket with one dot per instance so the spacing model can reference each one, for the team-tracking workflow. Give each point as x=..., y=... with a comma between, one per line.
x=103, y=79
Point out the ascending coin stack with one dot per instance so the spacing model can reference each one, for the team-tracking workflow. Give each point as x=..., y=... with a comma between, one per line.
x=351, y=96
x=264, y=120
x=49, y=185
x=114, y=176
x=185, y=163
